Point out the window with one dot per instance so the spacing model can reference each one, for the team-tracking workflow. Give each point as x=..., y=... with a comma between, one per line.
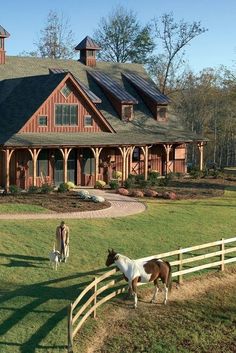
x=1, y=43
x=90, y=52
x=161, y=113
x=136, y=155
x=66, y=91
x=127, y=112
x=88, y=120
x=43, y=120
x=66, y=114
x=42, y=164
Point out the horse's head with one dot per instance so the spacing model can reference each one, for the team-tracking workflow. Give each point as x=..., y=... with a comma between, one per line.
x=112, y=256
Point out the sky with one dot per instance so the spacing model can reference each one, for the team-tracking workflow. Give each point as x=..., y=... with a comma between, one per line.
x=24, y=19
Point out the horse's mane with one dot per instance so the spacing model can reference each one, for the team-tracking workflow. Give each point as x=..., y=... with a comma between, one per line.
x=125, y=258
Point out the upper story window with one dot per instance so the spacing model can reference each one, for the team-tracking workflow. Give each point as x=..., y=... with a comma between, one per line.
x=43, y=120
x=66, y=114
x=161, y=113
x=1, y=43
x=66, y=91
x=91, y=52
x=88, y=120
x=127, y=112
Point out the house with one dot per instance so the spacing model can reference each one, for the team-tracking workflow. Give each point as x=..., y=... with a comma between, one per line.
x=69, y=120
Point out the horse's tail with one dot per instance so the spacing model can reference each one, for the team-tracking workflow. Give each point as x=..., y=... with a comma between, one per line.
x=169, y=278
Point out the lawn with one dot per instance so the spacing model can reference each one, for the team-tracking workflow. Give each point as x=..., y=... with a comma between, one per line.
x=34, y=298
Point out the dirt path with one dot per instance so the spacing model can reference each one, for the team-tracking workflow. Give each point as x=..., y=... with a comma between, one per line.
x=190, y=290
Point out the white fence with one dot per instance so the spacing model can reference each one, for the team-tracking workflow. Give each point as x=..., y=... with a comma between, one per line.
x=224, y=252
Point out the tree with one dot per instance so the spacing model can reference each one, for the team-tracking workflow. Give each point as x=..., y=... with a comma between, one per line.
x=173, y=38
x=122, y=38
x=207, y=106
x=56, y=38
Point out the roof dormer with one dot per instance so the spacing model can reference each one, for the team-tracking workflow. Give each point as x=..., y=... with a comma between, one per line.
x=3, y=34
x=122, y=101
x=156, y=101
x=88, y=49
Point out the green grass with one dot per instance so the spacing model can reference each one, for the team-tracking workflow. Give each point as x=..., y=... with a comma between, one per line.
x=21, y=208
x=34, y=298
x=205, y=324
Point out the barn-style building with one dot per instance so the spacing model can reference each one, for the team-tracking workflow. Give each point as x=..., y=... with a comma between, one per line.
x=69, y=120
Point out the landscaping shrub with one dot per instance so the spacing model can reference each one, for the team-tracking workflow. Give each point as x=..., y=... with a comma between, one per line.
x=114, y=184
x=70, y=185
x=14, y=189
x=129, y=183
x=139, y=178
x=116, y=174
x=100, y=184
x=195, y=173
x=63, y=187
x=123, y=191
x=153, y=178
x=46, y=188
x=34, y=189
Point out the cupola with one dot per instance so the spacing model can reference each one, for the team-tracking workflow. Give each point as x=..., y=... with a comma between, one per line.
x=88, y=49
x=3, y=34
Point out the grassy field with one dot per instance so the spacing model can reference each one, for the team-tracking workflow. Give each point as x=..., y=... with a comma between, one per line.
x=34, y=298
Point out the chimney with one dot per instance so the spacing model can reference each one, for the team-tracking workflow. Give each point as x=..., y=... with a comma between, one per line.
x=3, y=34
x=88, y=48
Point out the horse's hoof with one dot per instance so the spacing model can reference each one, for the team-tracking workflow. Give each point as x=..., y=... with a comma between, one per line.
x=154, y=301
x=165, y=301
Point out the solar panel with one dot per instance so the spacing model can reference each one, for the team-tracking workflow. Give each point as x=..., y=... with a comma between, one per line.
x=92, y=96
x=146, y=88
x=112, y=87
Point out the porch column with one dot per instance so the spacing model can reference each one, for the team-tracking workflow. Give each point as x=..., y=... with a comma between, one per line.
x=65, y=153
x=34, y=154
x=96, y=153
x=124, y=151
x=8, y=154
x=145, y=153
x=167, y=148
x=131, y=159
x=200, y=148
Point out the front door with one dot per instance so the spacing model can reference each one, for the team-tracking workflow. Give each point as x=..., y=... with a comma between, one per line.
x=58, y=168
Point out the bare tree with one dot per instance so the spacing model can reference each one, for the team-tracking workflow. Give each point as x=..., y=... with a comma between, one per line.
x=173, y=38
x=122, y=38
x=56, y=38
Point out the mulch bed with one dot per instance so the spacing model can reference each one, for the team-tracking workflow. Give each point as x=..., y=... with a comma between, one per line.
x=57, y=202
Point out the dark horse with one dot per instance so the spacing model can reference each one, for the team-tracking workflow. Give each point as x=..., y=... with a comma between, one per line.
x=142, y=271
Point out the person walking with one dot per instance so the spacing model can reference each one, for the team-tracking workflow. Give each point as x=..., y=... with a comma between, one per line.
x=62, y=241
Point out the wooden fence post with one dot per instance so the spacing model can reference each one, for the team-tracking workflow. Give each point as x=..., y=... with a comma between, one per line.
x=70, y=330
x=222, y=257
x=95, y=297
x=180, y=266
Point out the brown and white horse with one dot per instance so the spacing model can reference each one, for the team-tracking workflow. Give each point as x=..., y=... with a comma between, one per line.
x=142, y=271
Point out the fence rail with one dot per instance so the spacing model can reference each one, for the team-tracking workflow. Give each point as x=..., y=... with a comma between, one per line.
x=77, y=314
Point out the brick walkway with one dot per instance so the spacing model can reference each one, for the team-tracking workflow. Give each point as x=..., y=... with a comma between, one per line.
x=121, y=206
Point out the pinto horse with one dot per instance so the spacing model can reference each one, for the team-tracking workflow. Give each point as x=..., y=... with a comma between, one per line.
x=142, y=271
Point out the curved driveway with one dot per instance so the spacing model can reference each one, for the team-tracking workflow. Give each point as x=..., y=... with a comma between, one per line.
x=121, y=206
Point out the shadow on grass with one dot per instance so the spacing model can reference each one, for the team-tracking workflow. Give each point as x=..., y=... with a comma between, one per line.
x=41, y=293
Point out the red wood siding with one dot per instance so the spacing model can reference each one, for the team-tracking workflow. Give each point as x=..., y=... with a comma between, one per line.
x=155, y=158
x=48, y=109
x=2, y=57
